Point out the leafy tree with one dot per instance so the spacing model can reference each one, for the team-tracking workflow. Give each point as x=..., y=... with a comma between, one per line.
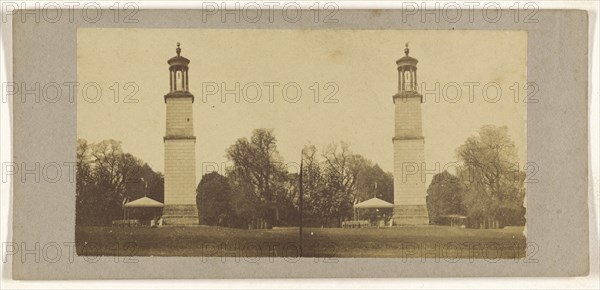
x=494, y=186
x=340, y=168
x=316, y=209
x=444, y=196
x=258, y=164
x=247, y=206
x=333, y=184
x=213, y=198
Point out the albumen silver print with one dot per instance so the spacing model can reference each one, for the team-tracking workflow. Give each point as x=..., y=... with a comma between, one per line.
x=303, y=143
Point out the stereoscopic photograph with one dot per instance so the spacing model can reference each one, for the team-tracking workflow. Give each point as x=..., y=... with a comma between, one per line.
x=302, y=143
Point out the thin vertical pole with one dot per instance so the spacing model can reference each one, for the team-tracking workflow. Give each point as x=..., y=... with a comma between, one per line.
x=400, y=80
x=187, y=81
x=300, y=201
x=415, y=73
x=411, y=78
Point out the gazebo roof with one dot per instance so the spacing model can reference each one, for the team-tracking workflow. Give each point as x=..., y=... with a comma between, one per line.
x=144, y=202
x=374, y=203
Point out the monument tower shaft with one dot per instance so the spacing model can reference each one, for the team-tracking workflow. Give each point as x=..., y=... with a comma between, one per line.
x=410, y=206
x=180, y=147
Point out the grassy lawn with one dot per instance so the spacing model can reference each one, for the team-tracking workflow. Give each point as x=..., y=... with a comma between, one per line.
x=432, y=242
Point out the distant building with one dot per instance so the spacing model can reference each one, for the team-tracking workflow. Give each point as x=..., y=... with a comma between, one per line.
x=180, y=147
x=410, y=206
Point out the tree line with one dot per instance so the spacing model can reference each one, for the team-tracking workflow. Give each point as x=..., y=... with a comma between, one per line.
x=260, y=190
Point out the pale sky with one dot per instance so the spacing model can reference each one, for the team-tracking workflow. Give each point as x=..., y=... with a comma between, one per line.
x=360, y=62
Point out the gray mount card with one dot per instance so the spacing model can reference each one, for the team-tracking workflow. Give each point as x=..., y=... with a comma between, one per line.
x=326, y=143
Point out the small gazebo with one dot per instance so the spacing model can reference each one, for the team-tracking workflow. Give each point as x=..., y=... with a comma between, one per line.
x=143, y=209
x=373, y=203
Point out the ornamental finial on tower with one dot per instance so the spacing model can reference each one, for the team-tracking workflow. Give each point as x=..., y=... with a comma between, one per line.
x=178, y=50
x=406, y=50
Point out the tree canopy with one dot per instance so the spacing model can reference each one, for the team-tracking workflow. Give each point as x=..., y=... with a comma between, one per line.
x=444, y=197
x=213, y=199
x=259, y=172
x=493, y=185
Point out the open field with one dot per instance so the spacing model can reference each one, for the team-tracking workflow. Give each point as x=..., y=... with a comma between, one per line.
x=432, y=242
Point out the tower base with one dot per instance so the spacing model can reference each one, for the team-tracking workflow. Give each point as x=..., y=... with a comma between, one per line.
x=180, y=214
x=410, y=215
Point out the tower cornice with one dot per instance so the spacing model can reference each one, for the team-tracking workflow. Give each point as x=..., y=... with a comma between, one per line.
x=179, y=94
x=408, y=138
x=179, y=137
x=407, y=95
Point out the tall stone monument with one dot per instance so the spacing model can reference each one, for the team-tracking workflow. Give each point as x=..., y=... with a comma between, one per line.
x=180, y=147
x=410, y=207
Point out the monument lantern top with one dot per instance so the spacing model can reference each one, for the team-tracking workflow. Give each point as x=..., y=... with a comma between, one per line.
x=407, y=60
x=178, y=60
x=178, y=77
x=407, y=74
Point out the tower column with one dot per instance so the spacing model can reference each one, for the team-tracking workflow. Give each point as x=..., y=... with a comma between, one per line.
x=410, y=206
x=180, y=148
